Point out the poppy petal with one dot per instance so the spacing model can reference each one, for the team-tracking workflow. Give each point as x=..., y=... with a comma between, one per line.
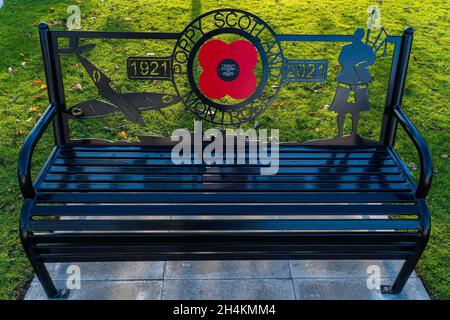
x=211, y=85
x=244, y=53
x=242, y=87
x=212, y=52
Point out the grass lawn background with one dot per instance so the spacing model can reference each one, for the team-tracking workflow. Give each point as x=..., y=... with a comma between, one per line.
x=298, y=113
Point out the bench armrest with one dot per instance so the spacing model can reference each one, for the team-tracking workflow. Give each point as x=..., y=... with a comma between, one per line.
x=426, y=165
x=26, y=153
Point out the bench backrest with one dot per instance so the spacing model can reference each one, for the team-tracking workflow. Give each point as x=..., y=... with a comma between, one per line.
x=229, y=68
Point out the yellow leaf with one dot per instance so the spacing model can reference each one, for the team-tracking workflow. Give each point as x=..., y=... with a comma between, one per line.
x=43, y=86
x=33, y=109
x=122, y=134
x=317, y=129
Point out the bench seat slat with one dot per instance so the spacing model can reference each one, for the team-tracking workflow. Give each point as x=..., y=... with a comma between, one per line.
x=283, y=147
x=226, y=237
x=212, y=225
x=167, y=155
x=221, y=247
x=183, y=170
x=231, y=197
x=168, y=162
x=220, y=209
x=51, y=177
x=223, y=187
x=181, y=256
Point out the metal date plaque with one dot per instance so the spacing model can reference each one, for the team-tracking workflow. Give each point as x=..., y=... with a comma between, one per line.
x=305, y=70
x=149, y=68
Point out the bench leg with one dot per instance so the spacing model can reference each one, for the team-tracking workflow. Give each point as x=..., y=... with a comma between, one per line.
x=410, y=264
x=39, y=267
x=402, y=277
x=46, y=281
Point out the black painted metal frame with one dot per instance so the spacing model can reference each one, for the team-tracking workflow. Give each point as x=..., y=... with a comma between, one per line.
x=336, y=243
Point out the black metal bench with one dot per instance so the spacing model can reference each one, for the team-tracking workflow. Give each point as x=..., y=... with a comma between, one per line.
x=340, y=198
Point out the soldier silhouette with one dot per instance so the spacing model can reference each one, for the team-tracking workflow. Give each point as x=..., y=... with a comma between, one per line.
x=352, y=93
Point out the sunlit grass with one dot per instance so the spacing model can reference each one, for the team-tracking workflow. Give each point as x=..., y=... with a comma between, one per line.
x=299, y=111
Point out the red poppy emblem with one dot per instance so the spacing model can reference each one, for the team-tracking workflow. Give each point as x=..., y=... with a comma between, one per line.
x=227, y=69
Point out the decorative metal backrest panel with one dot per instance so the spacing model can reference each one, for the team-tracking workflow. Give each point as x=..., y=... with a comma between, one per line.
x=227, y=67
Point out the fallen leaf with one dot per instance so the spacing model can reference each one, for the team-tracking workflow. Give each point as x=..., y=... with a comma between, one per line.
x=37, y=81
x=77, y=87
x=11, y=70
x=318, y=87
x=19, y=133
x=39, y=96
x=412, y=166
x=34, y=109
x=316, y=129
x=43, y=86
x=122, y=134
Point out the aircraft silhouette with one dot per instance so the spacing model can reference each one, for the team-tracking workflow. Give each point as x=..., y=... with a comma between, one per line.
x=130, y=104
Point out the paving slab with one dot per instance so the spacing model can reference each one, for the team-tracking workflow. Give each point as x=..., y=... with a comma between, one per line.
x=337, y=269
x=238, y=289
x=104, y=290
x=354, y=289
x=277, y=269
x=153, y=270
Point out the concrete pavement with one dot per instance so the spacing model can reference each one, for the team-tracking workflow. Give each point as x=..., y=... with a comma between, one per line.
x=236, y=280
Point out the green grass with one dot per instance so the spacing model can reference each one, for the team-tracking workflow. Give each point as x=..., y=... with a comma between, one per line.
x=299, y=111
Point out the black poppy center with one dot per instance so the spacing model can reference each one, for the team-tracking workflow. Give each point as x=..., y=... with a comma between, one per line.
x=228, y=70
